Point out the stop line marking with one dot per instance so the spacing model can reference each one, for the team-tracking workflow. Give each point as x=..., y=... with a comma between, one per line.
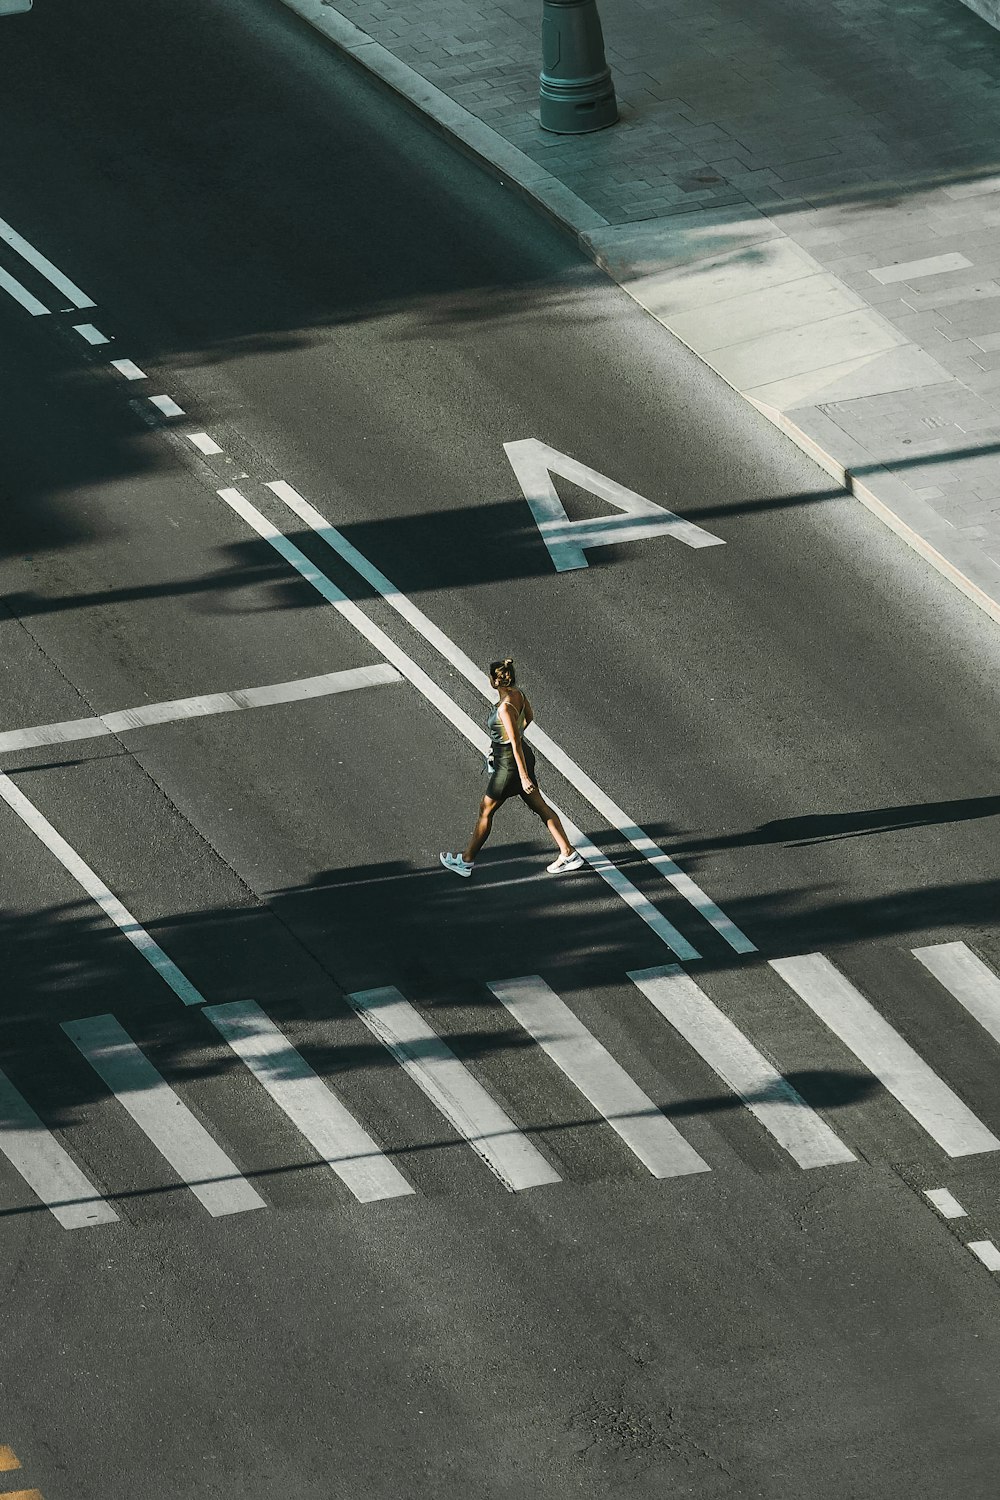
x=176, y=709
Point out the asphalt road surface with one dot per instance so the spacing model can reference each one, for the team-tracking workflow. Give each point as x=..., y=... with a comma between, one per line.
x=301, y=1194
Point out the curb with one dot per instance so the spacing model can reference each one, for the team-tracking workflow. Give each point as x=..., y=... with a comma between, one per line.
x=846, y=461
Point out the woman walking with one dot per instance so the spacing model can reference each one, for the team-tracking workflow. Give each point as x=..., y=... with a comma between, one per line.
x=512, y=765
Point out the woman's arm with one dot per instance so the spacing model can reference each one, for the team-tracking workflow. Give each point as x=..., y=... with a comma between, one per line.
x=507, y=719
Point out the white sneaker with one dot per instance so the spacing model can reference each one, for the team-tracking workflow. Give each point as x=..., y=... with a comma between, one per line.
x=456, y=864
x=565, y=862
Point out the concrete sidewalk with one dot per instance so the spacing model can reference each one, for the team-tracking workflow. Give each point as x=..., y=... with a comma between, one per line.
x=806, y=192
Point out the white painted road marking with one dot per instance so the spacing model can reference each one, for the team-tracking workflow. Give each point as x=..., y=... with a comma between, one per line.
x=90, y=333
x=20, y=294
x=456, y=716
x=167, y=405
x=95, y=887
x=449, y=1085
x=600, y=1079
x=574, y=774
x=129, y=369
x=44, y=266
x=204, y=443
x=309, y=1103
x=987, y=1252
x=768, y=1095
x=49, y=1171
x=147, y=714
x=967, y=978
x=946, y=1204
x=884, y=1052
x=535, y=462
x=179, y=1137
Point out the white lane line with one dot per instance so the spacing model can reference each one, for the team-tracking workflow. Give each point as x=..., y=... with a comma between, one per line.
x=90, y=333
x=987, y=1252
x=564, y=764
x=204, y=443
x=967, y=978
x=129, y=369
x=449, y=1085
x=238, y=699
x=95, y=887
x=946, y=1204
x=309, y=1103
x=456, y=716
x=179, y=1137
x=20, y=293
x=49, y=1171
x=600, y=1079
x=44, y=266
x=779, y=1107
x=167, y=405
x=884, y=1052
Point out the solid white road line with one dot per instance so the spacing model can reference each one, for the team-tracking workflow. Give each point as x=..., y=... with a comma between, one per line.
x=987, y=1252
x=600, y=1079
x=90, y=333
x=309, y=1103
x=946, y=1204
x=563, y=763
x=167, y=405
x=20, y=293
x=449, y=1085
x=146, y=714
x=204, y=443
x=48, y=1170
x=766, y=1092
x=95, y=887
x=129, y=369
x=967, y=978
x=179, y=1137
x=884, y=1052
x=456, y=716
x=44, y=266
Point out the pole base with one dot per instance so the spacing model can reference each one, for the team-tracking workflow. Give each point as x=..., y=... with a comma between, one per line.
x=576, y=92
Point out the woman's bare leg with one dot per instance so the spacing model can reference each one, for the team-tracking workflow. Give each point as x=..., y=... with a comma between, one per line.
x=541, y=809
x=481, y=832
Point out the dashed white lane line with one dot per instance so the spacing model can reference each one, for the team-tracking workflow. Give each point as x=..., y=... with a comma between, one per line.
x=203, y=442
x=122, y=720
x=13, y=288
x=450, y=710
x=601, y=1080
x=574, y=774
x=90, y=333
x=44, y=266
x=95, y=887
x=129, y=369
x=946, y=1203
x=987, y=1253
x=49, y=1171
x=450, y=1086
x=312, y=1107
x=162, y=1115
x=167, y=405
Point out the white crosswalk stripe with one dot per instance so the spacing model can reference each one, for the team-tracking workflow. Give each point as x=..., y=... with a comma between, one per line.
x=181, y=1139
x=312, y=1107
x=601, y=1080
x=48, y=1170
x=765, y=1092
x=449, y=1085
x=885, y=1053
x=967, y=978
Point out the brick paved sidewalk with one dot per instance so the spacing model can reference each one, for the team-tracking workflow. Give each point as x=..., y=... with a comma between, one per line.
x=807, y=192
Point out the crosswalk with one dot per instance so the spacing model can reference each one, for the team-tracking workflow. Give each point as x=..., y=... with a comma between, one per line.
x=582, y=1072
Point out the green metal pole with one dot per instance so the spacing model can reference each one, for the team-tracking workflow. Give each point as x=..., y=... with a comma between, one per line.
x=577, y=93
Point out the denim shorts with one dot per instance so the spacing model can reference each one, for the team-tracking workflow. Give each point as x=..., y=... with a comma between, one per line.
x=505, y=780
